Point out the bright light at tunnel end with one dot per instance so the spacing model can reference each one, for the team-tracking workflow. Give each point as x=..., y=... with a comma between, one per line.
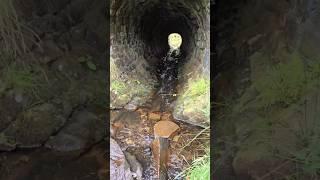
x=174, y=40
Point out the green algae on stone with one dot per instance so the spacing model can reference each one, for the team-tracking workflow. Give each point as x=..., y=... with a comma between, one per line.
x=125, y=88
x=193, y=105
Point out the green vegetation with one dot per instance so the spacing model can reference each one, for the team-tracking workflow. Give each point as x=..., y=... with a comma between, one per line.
x=277, y=117
x=198, y=87
x=118, y=87
x=30, y=80
x=200, y=168
x=305, y=153
x=88, y=61
x=20, y=78
x=283, y=83
x=125, y=87
x=11, y=28
x=196, y=98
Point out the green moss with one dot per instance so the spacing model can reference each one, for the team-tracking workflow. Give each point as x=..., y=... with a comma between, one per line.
x=118, y=87
x=19, y=78
x=195, y=100
x=31, y=80
x=197, y=87
x=125, y=87
x=23, y=78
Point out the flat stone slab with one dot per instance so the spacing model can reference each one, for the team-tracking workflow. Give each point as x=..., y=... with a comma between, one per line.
x=165, y=129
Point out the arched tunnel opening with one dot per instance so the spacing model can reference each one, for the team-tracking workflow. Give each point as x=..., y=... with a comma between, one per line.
x=139, y=43
x=151, y=78
x=143, y=27
x=160, y=21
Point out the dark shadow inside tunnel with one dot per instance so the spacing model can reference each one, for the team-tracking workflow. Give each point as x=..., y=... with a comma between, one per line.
x=139, y=39
x=156, y=24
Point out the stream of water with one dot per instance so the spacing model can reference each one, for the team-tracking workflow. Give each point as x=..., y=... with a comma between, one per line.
x=136, y=133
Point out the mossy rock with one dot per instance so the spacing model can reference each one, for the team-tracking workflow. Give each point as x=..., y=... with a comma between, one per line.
x=193, y=103
x=34, y=127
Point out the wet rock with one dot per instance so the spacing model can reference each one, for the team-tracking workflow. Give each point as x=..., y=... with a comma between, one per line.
x=119, y=167
x=113, y=116
x=166, y=116
x=83, y=130
x=156, y=104
x=165, y=129
x=9, y=109
x=135, y=166
x=115, y=127
x=182, y=116
x=33, y=127
x=126, y=117
x=131, y=107
x=154, y=116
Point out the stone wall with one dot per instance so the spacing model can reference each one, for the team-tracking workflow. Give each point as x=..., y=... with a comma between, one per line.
x=139, y=32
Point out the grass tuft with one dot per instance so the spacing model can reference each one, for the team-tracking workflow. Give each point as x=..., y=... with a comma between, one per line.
x=10, y=28
x=13, y=30
x=200, y=168
x=283, y=83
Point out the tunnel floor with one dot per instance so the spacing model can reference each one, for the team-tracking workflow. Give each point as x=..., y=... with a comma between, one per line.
x=134, y=133
x=133, y=130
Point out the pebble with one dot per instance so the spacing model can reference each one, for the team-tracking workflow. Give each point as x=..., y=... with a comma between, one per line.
x=130, y=107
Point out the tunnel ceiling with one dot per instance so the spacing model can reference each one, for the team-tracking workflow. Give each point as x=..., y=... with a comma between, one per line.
x=147, y=24
x=139, y=43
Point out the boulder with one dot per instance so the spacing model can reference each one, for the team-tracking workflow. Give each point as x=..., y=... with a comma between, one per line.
x=119, y=167
x=82, y=131
x=33, y=127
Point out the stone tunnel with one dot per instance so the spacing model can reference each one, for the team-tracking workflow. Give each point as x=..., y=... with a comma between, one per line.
x=139, y=41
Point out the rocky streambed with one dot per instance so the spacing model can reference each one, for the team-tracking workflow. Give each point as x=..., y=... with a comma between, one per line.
x=133, y=136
